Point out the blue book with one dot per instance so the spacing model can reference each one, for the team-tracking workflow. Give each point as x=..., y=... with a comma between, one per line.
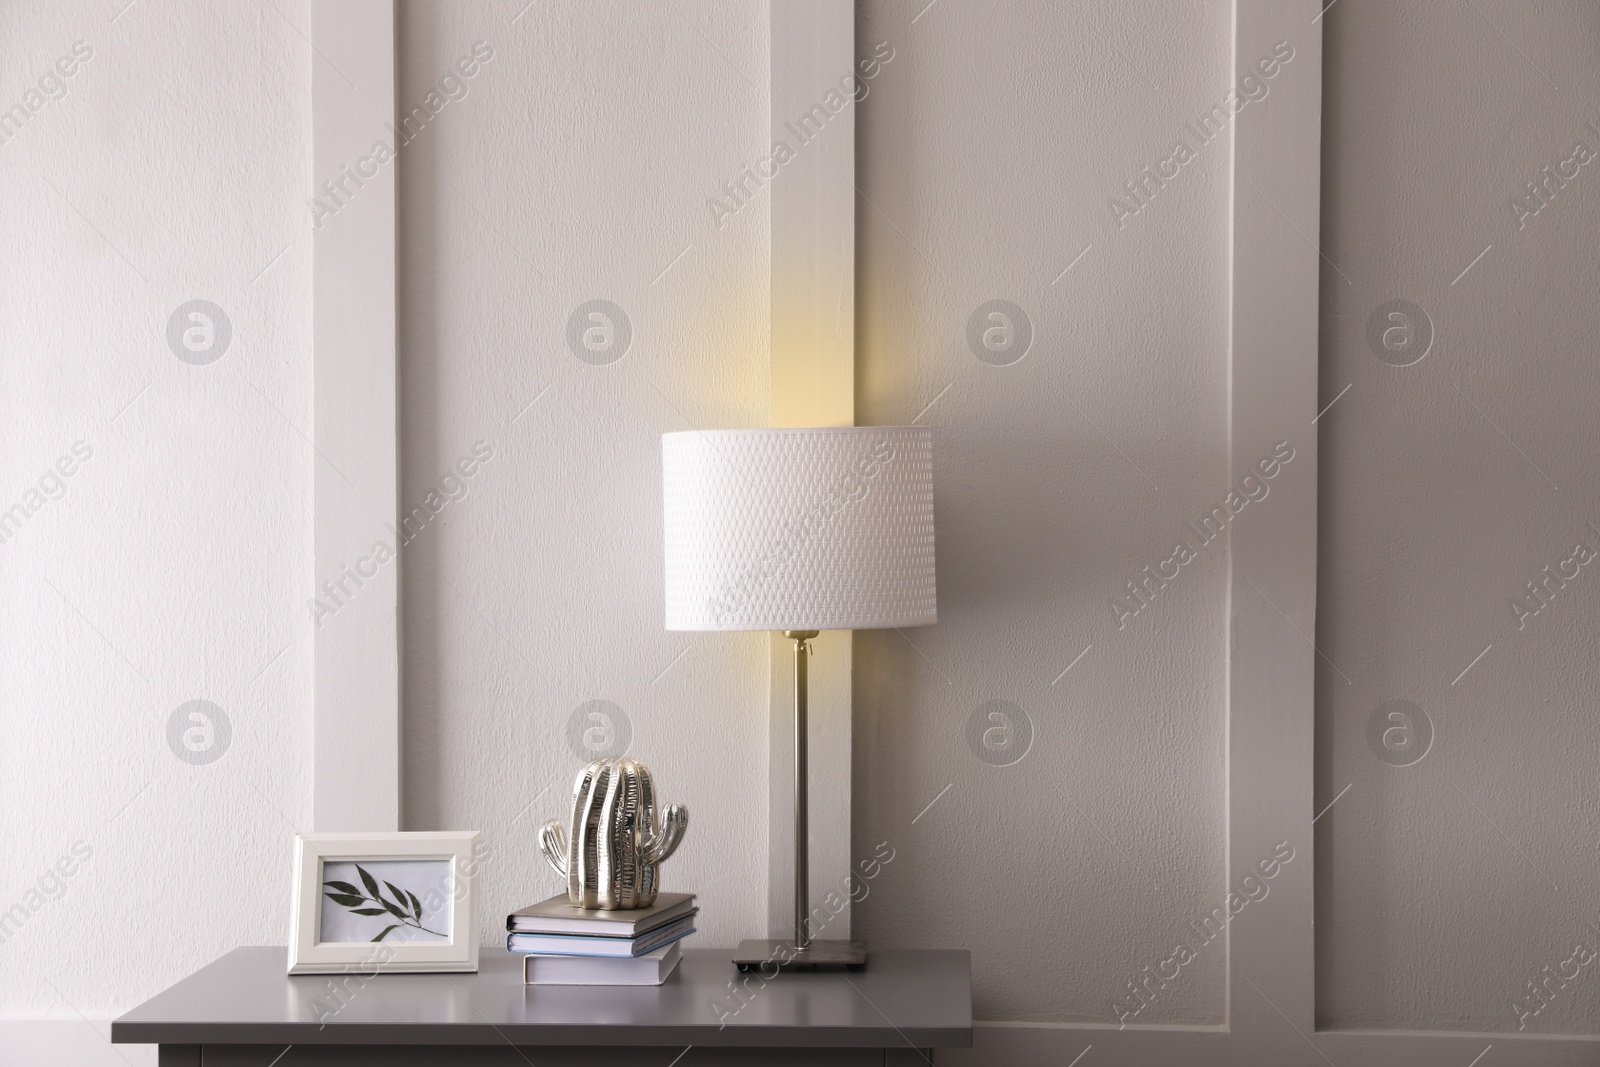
x=591, y=945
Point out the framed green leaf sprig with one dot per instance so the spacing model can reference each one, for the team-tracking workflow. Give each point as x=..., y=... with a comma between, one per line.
x=385, y=902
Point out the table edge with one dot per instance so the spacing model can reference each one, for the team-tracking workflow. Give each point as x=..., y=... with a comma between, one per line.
x=147, y=1033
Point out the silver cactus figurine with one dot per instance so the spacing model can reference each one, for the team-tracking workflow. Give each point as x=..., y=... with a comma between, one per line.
x=615, y=841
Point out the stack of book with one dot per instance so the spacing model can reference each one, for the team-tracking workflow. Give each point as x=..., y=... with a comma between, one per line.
x=564, y=944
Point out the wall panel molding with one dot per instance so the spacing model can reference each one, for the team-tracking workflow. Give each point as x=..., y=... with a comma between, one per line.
x=356, y=730
x=812, y=45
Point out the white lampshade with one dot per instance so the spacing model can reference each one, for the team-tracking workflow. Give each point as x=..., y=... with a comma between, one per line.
x=805, y=529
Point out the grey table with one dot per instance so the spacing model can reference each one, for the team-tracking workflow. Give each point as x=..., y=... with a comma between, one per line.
x=244, y=1011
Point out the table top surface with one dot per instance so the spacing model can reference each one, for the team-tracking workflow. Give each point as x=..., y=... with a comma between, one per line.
x=902, y=998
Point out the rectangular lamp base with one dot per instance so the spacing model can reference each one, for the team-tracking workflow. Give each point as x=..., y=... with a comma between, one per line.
x=770, y=954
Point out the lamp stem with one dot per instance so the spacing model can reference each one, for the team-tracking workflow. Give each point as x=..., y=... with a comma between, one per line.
x=802, y=833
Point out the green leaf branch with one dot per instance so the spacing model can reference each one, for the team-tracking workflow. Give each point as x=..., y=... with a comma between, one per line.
x=405, y=906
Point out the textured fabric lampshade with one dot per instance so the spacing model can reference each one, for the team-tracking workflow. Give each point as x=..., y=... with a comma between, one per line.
x=799, y=529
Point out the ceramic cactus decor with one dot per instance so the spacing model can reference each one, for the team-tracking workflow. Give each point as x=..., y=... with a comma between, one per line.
x=611, y=850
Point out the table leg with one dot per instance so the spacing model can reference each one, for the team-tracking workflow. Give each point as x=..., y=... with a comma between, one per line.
x=178, y=1055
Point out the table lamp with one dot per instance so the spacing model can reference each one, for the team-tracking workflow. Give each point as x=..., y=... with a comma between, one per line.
x=799, y=530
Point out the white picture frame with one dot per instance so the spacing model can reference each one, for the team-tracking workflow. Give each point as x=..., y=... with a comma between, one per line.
x=426, y=882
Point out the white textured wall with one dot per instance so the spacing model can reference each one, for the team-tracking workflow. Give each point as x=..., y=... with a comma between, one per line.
x=172, y=564
x=989, y=149
x=577, y=167
x=1443, y=887
x=175, y=565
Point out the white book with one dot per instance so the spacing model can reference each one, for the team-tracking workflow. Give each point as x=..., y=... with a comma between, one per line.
x=650, y=969
x=558, y=916
x=564, y=945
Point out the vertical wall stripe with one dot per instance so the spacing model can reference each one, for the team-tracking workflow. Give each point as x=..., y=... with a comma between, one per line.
x=1275, y=203
x=813, y=384
x=356, y=736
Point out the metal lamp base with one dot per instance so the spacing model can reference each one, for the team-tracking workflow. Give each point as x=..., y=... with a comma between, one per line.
x=770, y=955
x=779, y=954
